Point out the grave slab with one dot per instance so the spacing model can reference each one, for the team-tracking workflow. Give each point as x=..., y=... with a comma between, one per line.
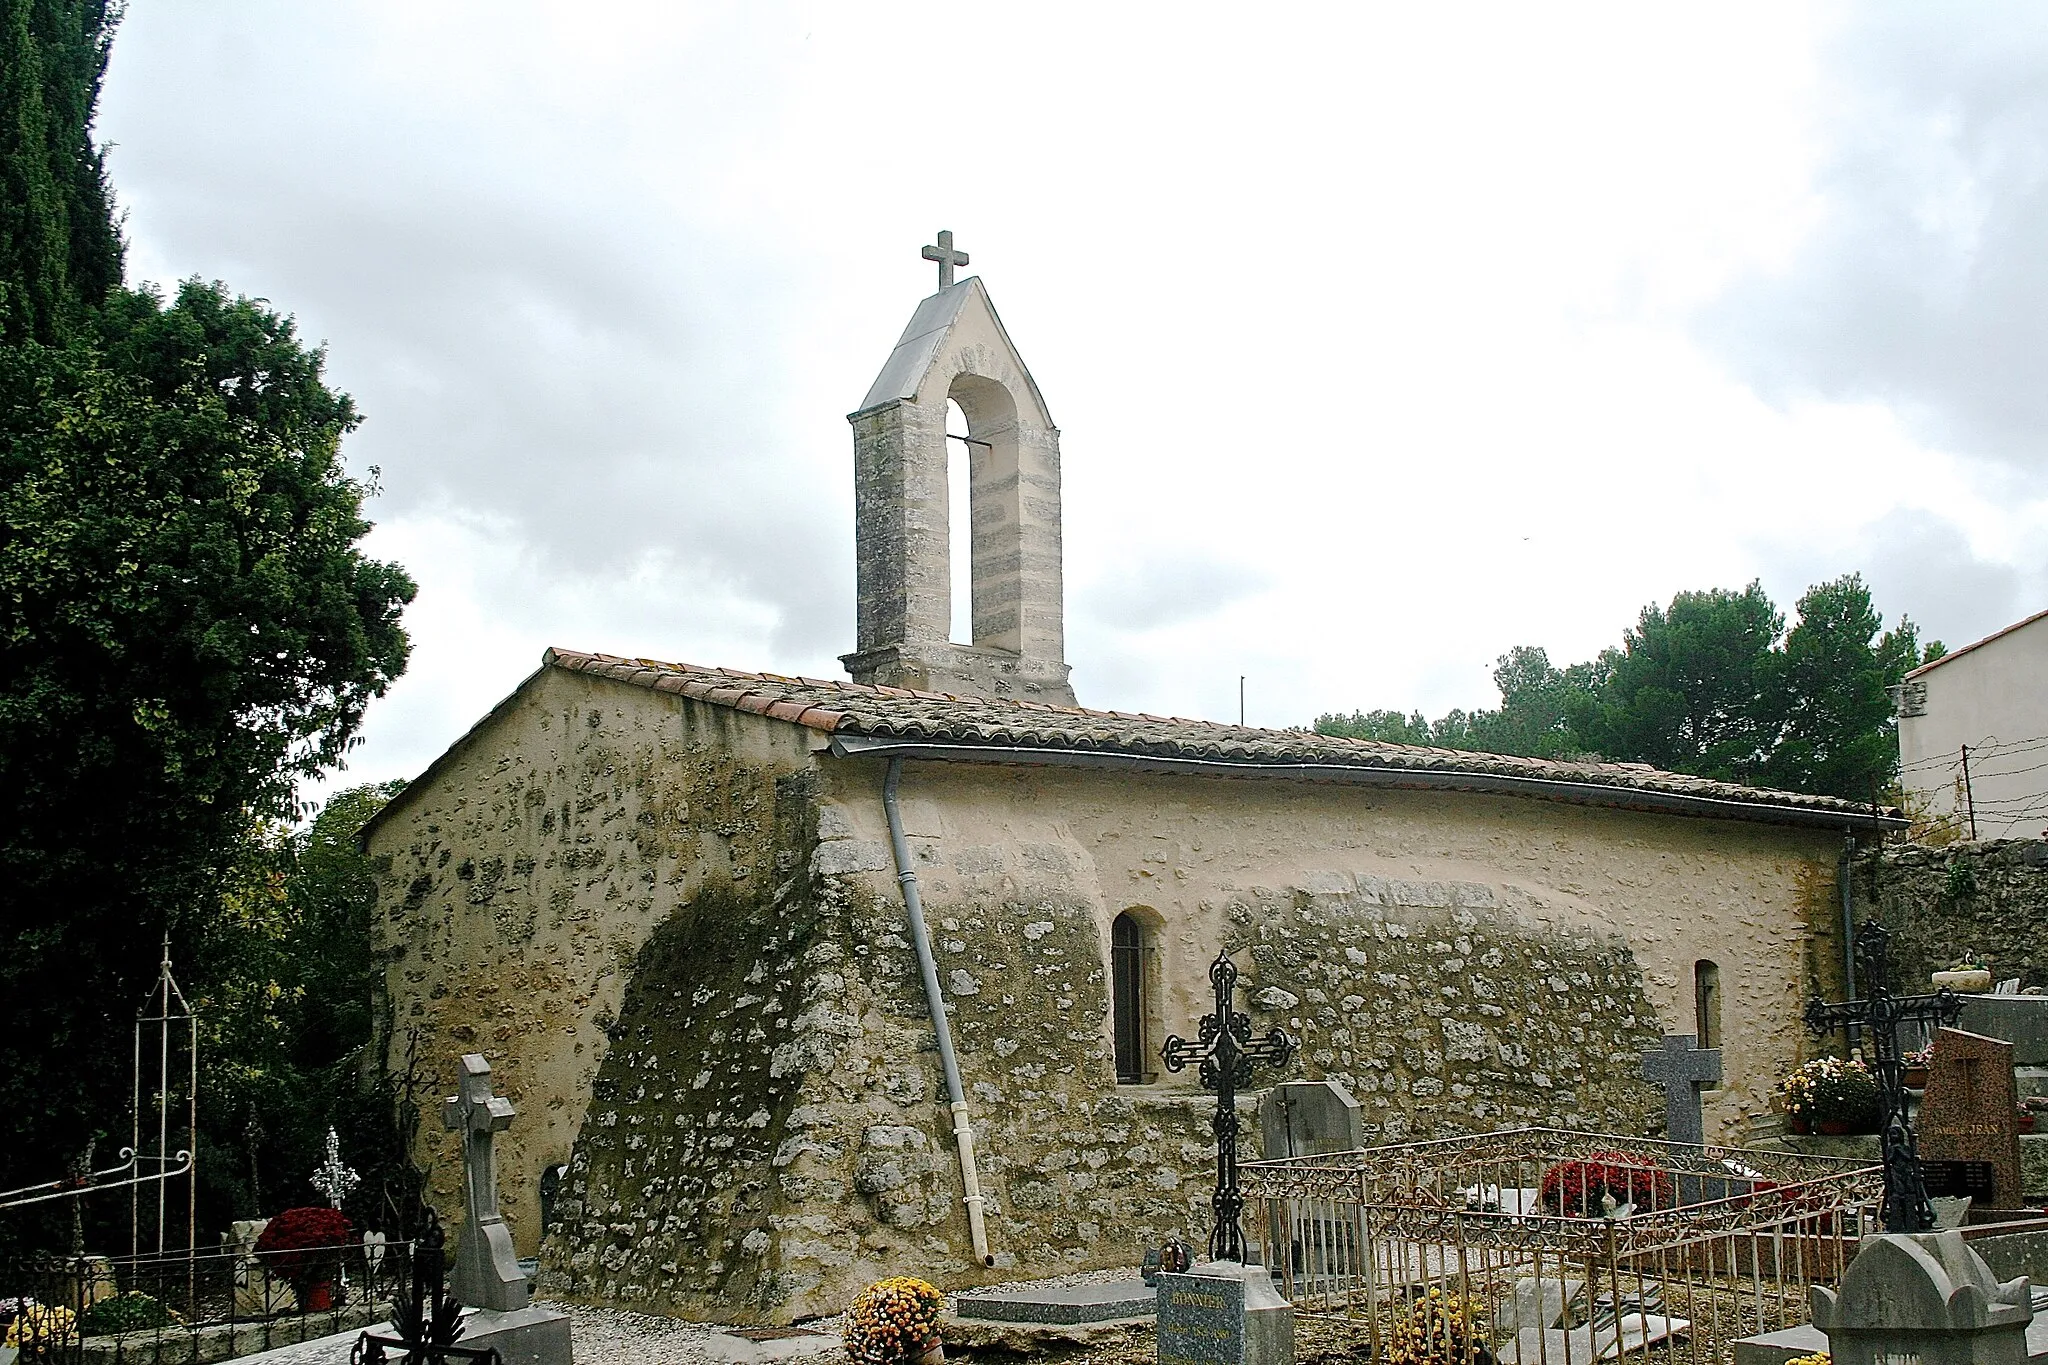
x=1061, y=1305
x=1971, y=1109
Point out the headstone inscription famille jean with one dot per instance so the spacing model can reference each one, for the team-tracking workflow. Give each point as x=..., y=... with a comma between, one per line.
x=1970, y=1111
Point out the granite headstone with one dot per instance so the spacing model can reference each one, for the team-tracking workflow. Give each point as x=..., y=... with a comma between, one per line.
x=1970, y=1111
x=1224, y=1313
x=1923, y=1299
x=1309, y=1118
x=1682, y=1068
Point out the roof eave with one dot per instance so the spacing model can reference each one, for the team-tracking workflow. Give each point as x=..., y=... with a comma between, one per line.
x=1393, y=778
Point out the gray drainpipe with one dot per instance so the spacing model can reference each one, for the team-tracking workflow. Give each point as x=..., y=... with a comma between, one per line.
x=963, y=1129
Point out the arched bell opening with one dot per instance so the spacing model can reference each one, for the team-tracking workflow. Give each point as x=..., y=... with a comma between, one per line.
x=992, y=545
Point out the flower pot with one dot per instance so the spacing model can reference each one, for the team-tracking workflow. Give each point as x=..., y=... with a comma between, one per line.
x=317, y=1297
x=1973, y=982
x=1798, y=1124
x=934, y=1353
x=2026, y=1123
x=1836, y=1127
x=1915, y=1078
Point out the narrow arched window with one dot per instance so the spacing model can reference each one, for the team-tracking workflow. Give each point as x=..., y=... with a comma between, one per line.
x=1706, y=1002
x=1127, y=999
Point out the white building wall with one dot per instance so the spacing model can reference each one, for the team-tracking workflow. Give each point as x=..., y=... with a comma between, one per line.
x=1993, y=698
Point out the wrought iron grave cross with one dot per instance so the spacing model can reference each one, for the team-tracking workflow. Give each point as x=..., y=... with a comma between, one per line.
x=1880, y=1013
x=947, y=258
x=1227, y=1053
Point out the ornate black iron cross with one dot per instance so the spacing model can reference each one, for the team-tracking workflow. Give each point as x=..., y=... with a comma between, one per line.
x=1227, y=1053
x=1880, y=1013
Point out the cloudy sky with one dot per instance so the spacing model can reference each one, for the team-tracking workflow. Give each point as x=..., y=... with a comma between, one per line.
x=1381, y=337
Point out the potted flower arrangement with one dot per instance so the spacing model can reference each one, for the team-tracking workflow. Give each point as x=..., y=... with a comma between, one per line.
x=1830, y=1095
x=1915, y=1066
x=303, y=1247
x=1596, y=1185
x=1965, y=974
x=1845, y=1097
x=895, y=1322
x=2031, y=1109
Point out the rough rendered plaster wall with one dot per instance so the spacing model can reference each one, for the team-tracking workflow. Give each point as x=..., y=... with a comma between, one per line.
x=1077, y=1172
x=1616, y=895
x=518, y=884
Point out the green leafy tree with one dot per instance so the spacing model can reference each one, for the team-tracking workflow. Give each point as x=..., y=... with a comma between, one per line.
x=187, y=627
x=1542, y=712
x=1703, y=686
x=187, y=624
x=60, y=252
x=1838, y=735
x=1692, y=688
x=285, y=978
x=1387, y=727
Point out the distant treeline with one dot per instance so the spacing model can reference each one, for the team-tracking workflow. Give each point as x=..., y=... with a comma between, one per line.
x=1713, y=685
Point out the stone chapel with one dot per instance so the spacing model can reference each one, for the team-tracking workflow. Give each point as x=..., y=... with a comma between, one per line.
x=667, y=902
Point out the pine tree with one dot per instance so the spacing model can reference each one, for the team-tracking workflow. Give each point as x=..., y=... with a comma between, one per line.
x=60, y=249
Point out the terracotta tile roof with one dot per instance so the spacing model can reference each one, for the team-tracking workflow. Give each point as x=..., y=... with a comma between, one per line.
x=857, y=711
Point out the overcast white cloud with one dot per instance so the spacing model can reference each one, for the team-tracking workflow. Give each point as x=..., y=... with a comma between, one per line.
x=1381, y=338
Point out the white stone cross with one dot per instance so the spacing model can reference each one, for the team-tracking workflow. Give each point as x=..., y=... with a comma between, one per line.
x=1683, y=1068
x=947, y=258
x=487, y=1273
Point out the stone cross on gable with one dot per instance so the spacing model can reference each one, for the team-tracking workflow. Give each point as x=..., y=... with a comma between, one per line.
x=487, y=1273
x=947, y=258
x=1683, y=1069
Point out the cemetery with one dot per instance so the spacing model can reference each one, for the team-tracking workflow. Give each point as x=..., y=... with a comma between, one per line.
x=682, y=1014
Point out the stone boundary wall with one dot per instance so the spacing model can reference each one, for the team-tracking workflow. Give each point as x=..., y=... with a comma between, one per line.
x=1990, y=899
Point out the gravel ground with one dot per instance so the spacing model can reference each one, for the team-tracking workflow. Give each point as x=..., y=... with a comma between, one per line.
x=611, y=1336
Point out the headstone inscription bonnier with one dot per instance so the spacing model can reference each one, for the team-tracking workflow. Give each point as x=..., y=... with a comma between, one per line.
x=1970, y=1111
x=1224, y=1313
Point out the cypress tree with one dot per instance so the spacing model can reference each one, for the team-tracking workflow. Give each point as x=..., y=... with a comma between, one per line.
x=60, y=248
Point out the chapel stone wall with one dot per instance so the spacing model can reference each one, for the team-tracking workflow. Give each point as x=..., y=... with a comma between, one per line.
x=519, y=880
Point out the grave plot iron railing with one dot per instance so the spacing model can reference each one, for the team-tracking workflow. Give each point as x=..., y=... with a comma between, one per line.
x=1540, y=1246
x=176, y=1309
